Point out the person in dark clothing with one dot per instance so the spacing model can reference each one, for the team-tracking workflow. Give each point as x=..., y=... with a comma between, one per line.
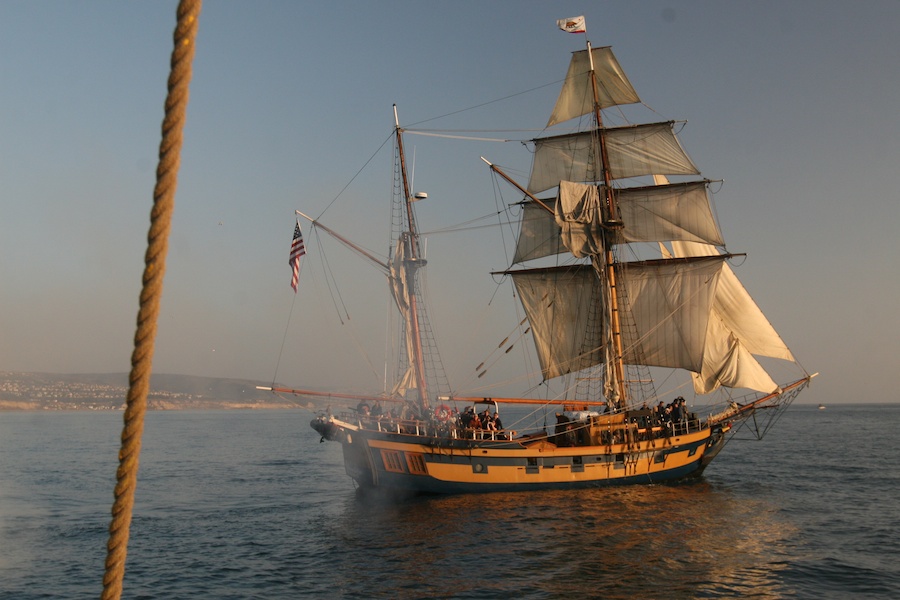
x=677, y=409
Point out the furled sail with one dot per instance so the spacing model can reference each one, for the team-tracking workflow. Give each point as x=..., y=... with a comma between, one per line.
x=612, y=86
x=633, y=151
x=579, y=216
x=399, y=285
x=670, y=302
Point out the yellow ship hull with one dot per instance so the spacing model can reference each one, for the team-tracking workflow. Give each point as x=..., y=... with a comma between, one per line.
x=420, y=463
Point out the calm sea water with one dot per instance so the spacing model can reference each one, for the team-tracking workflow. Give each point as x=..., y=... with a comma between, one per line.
x=250, y=505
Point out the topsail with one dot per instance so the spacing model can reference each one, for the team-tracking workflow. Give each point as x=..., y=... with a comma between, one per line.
x=612, y=86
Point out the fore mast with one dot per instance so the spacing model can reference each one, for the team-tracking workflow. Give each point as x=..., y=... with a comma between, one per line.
x=615, y=370
x=604, y=263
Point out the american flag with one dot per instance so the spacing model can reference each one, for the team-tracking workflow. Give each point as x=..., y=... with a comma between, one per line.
x=297, y=250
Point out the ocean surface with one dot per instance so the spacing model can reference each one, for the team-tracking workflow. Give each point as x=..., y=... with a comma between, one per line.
x=249, y=504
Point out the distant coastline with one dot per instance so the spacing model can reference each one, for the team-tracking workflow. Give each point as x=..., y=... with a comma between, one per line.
x=23, y=391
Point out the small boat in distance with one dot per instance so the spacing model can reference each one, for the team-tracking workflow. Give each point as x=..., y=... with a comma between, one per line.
x=602, y=316
x=821, y=407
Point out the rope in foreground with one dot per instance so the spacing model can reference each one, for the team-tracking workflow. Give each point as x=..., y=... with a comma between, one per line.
x=151, y=294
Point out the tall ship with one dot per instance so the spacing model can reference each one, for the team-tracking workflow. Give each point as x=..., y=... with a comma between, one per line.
x=623, y=277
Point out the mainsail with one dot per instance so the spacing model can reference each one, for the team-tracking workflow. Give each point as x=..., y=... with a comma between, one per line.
x=670, y=300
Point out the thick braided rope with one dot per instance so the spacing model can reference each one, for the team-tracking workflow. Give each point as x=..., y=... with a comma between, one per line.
x=151, y=294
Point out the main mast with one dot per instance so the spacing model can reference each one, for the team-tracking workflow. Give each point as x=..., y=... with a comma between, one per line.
x=412, y=261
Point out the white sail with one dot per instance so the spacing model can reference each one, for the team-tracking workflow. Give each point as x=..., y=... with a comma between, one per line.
x=664, y=213
x=727, y=363
x=670, y=302
x=689, y=314
x=538, y=233
x=738, y=311
x=559, y=305
x=738, y=330
x=576, y=99
x=675, y=212
x=633, y=151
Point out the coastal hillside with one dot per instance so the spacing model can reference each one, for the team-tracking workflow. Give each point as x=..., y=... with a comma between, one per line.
x=107, y=391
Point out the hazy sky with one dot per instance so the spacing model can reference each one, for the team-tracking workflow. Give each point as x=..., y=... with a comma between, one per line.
x=793, y=104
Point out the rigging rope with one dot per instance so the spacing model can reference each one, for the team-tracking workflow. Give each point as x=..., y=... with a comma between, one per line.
x=184, y=38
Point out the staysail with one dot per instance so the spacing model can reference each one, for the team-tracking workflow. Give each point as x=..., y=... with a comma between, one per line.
x=737, y=331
